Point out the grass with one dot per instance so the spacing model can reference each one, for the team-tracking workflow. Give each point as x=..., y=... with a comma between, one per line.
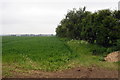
x=36, y=52
x=48, y=54
x=85, y=57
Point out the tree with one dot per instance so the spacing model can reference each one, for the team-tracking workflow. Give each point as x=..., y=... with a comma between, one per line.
x=101, y=27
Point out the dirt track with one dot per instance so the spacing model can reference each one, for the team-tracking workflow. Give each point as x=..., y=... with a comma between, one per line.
x=79, y=72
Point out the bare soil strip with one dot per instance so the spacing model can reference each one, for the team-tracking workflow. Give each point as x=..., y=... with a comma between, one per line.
x=79, y=72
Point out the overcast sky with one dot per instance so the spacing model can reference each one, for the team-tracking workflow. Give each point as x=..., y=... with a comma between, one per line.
x=42, y=16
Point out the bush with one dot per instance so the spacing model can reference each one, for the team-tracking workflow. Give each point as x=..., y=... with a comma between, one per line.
x=109, y=50
x=99, y=51
x=100, y=27
x=117, y=45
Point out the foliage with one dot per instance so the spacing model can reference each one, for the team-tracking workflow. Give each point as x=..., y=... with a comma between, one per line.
x=101, y=27
x=117, y=45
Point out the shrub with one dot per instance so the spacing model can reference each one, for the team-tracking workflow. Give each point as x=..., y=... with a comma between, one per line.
x=118, y=44
x=109, y=50
x=115, y=47
x=98, y=50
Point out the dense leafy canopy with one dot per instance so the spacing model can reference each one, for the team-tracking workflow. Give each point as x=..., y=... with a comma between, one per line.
x=101, y=27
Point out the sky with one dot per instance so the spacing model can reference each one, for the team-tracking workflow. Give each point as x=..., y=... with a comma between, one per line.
x=42, y=16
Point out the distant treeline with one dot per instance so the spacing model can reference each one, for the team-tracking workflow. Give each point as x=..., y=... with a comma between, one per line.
x=29, y=35
x=101, y=27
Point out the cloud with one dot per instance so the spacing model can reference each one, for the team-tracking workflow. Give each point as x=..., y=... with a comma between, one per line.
x=42, y=16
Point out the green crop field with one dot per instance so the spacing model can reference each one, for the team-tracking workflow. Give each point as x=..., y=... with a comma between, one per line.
x=48, y=54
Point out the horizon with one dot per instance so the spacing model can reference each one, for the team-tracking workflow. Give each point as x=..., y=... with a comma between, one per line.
x=27, y=34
